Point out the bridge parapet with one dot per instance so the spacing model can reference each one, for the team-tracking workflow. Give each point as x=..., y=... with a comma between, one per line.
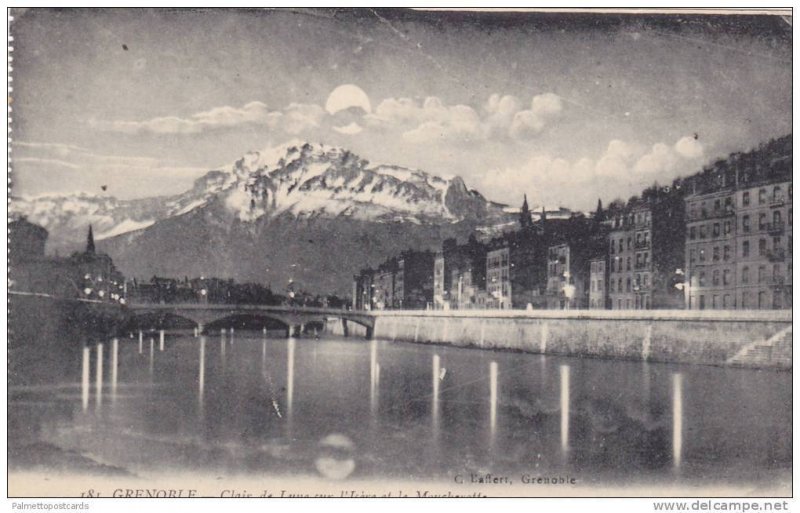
x=204, y=314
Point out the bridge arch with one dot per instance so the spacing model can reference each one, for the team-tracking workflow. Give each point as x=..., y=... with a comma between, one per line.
x=248, y=320
x=145, y=320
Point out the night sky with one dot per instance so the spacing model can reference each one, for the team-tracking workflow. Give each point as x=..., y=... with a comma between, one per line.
x=564, y=107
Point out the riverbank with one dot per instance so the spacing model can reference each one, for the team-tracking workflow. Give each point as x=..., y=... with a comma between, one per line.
x=752, y=339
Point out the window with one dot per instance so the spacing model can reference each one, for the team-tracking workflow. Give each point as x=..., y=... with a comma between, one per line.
x=628, y=284
x=762, y=274
x=702, y=255
x=726, y=253
x=715, y=277
x=715, y=256
x=638, y=259
x=762, y=196
x=630, y=241
x=776, y=243
x=776, y=273
x=762, y=221
x=745, y=198
x=762, y=247
x=776, y=218
x=612, y=246
x=599, y=284
x=776, y=193
x=726, y=301
x=745, y=275
x=692, y=233
x=619, y=285
x=715, y=230
x=745, y=300
x=646, y=279
x=746, y=248
x=701, y=279
x=717, y=205
x=702, y=231
x=628, y=263
x=746, y=224
x=727, y=228
x=691, y=256
x=621, y=247
x=726, y=277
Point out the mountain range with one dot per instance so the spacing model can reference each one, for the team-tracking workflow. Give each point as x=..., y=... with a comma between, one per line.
x=312, y=213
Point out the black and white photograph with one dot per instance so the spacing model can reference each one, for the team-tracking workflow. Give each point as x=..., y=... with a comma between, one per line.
x=400, y=253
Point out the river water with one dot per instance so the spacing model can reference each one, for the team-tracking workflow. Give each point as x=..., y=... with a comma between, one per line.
x=351, y=410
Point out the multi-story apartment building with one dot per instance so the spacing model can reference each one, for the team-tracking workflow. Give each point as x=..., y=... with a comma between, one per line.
x=460, y=275
x=580, y=239
x=739, y=232
x=598, y=283
x=438, y=279
x=362, y=290
x=384, y=284
x=567, y=278
x=646, y=251
x=413, y=284
x=403, y=282
x=498, y=275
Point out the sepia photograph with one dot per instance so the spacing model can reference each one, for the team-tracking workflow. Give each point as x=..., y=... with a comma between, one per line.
x=400, y=253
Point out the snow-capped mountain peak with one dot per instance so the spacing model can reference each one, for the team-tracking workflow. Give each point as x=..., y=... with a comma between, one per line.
x=296, y=179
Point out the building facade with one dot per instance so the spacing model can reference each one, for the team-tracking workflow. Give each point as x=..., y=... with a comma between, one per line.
x=598, y=284
x=498, y=276
x=646, y=251
x=739, y=232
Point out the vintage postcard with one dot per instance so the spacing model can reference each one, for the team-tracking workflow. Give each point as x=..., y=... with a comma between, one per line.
x=356, y=252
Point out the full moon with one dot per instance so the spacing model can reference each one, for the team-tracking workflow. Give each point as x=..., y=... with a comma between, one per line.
x=346, y=96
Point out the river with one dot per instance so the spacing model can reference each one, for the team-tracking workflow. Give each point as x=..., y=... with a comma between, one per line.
x=350, y=410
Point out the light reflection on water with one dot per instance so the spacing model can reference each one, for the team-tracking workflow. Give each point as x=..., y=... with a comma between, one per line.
x=393, y=409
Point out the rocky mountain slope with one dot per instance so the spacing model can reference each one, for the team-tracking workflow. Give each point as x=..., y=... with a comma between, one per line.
x=313, y=213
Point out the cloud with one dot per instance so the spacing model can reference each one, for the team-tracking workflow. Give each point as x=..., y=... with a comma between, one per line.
x=623, y=169
x=46, y=162
x=668, y=159
x=431, y=120
x=689, y=147
x=299, y=117
x=527, y=123
x=48, y=168
x=416, y=120
x=294, y=119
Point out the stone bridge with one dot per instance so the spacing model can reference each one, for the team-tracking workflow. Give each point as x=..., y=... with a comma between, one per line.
x=294, y=318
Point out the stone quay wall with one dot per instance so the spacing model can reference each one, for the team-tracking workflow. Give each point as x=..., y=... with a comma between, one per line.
x=760, y=339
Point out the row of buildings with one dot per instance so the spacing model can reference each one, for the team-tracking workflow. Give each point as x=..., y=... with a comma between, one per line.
x=720, y=239
x=86, y=275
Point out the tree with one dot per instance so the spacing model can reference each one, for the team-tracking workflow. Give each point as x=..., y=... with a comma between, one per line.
x=599, y=215
x=90, y=241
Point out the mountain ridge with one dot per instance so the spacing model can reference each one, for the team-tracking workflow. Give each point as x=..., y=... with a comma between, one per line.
x=313, y=213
